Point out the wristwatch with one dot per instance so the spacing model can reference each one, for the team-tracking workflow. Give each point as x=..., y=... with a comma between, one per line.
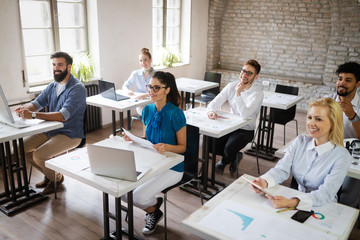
x=355, y=119
x=33, y=114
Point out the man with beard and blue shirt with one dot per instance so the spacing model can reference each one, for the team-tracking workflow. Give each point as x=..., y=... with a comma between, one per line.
x=66, y=100
x=346, y=95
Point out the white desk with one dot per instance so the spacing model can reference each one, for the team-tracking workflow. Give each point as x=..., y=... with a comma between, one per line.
x=225, y=124
x=354, y=171
x=17, y=194
x=121, y=106
x=76, y=165
x=273, y=100
x=193, y=86
x=237, y=212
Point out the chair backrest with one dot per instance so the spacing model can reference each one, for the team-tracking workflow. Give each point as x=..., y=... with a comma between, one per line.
x=284, y=116
x=212, y=77
x=191, y=154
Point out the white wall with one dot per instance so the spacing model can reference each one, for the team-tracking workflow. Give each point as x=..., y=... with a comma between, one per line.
x=123, y=28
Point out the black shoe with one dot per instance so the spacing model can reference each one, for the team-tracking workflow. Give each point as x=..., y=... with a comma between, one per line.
x=43, y=183
x=152, y=221
x=159, y=201
x=234, y=164
x=219, y=167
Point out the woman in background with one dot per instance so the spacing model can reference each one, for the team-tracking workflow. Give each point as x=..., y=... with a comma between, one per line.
x=165, y=127
x=140, y=77
x=319, y=162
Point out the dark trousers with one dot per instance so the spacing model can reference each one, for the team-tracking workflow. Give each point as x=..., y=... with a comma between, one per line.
x=229, y=145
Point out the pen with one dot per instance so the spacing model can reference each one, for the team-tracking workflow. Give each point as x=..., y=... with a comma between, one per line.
x=286, y=209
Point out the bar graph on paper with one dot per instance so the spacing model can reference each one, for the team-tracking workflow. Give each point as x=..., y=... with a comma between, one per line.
x=236, y=221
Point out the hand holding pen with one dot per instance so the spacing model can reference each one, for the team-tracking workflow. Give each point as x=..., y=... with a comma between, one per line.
x=212, y=115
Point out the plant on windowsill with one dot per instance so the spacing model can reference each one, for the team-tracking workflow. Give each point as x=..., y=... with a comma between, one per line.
x=168, y=58
x=83, y=67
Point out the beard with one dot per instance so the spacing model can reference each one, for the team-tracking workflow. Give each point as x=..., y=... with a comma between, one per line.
x=61, y=76
x=345, y=93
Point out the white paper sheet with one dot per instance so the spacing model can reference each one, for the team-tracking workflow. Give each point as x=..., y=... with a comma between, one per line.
x=139, y=141
x=237, y=221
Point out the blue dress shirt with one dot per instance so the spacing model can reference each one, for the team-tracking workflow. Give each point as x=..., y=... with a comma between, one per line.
x=71, y=103
x=161, y=127
x=137, y=78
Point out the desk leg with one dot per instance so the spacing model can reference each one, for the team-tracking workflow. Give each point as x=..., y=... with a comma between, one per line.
x=118, y=234
x=113, y=122
x=182, y=99
x=129, y=119
x=131, y=215
x=193, y=100
x=5, y=175
x=206, y=161
x=121, y=115
x=106, y=216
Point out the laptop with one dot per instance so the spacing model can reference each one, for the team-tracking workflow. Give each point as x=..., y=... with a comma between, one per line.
x=115, y=163
x=11, y=118
x=107, y=90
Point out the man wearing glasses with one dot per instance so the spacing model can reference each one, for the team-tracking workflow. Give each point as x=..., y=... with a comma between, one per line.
x=245, y=100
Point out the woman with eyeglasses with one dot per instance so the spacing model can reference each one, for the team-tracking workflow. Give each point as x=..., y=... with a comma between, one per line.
x=140, y=78
x=165, y=127
x=245, y=100
x=318, y=161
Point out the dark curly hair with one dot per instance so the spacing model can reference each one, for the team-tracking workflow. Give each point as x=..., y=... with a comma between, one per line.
x=350, y=67
x=65, y=55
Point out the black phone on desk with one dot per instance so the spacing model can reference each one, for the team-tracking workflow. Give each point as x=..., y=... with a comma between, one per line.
x=301, y=215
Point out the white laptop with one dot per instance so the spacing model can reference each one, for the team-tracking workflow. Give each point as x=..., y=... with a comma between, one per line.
x=11, y=118
x=114, y=162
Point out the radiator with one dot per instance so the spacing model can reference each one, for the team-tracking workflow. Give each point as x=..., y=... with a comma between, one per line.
x=93, y=114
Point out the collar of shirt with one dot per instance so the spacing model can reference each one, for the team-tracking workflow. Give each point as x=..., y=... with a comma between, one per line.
x=321, y=149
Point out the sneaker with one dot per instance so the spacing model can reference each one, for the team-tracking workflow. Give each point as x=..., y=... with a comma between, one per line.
x=152, y=221
x=43, y=183
x=159, y=201
x=234, y=164
x=219, y=167
x=50, y=188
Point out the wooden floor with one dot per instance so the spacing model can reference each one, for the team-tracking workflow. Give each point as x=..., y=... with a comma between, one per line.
x=77, y=213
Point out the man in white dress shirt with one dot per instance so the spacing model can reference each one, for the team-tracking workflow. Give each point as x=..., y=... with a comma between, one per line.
x=245, y=100
x=346, y=95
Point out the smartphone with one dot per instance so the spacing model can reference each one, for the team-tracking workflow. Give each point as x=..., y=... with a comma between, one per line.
x=301, y=215
x=257, y=186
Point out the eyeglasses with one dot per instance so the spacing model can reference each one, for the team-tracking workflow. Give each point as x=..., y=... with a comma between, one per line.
x=155, y=88
x=248, y=73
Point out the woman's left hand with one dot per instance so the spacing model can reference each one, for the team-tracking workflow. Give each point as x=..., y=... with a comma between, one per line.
x=160, y=147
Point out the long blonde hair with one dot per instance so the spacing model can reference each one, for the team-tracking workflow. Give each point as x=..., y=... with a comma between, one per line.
x=335, y=115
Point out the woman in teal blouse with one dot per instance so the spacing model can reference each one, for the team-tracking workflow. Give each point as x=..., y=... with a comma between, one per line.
x=165, y=127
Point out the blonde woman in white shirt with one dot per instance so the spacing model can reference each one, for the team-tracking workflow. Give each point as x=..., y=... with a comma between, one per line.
x=318, y=161
x=245, y=100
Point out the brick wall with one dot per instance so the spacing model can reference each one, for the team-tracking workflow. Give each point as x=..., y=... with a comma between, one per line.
x=298, y=43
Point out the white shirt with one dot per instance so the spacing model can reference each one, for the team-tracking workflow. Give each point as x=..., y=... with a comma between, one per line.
x=348, y=127
x=319, y=170
x=247, y=105
x=137, y=78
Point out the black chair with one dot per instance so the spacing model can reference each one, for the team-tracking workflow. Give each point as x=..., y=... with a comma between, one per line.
x=284, y=116
x=191, y=166
x=208, y=95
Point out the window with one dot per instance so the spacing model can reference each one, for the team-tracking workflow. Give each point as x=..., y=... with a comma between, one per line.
x=49, y=26
x=171, y=28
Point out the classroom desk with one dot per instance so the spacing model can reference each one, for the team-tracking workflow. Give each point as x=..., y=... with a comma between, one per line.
x=76, y=165
x=194, y=87
x=354, y=170
x=121, y=106
x=238, y=212
x=266, y=128
x=17, y=194
x=225, y=124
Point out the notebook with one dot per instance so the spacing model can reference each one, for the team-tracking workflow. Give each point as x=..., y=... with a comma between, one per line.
x=114, y=162
x=107, y=90
x=11, y=118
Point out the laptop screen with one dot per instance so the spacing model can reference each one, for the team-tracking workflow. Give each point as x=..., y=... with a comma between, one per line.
x=107, y=89
x=5, y=113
